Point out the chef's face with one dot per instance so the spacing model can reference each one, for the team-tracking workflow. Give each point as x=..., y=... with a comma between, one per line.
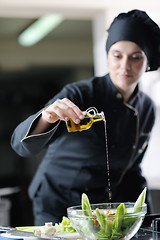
x=126, y=62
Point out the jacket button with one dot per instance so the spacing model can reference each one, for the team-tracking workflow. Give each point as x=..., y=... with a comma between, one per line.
x=133, y=146
x=118, y=96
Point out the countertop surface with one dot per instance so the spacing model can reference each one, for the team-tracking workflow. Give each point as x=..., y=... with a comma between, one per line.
x=142, y=234
x=147, y=234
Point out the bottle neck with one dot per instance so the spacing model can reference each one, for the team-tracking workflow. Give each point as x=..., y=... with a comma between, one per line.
x=93, y=114
x=98, y=118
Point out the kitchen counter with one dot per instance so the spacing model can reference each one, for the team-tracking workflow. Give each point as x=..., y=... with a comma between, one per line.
x=147, y=234
x=142, y=234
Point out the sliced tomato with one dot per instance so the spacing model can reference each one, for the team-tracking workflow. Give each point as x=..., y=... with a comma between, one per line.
x=96, y=222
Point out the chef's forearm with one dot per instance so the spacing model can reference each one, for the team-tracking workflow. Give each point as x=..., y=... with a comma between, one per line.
x=40, y=127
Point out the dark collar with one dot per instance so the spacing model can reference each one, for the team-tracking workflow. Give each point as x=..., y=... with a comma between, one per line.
x=134, y=94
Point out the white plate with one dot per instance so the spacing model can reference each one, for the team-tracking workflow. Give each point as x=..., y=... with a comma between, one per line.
x=7, y=235
x=66, y=236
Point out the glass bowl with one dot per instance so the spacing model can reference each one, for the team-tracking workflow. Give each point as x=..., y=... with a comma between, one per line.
x=107, y=222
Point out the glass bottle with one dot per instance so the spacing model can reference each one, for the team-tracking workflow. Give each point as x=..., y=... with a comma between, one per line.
x=91, y=116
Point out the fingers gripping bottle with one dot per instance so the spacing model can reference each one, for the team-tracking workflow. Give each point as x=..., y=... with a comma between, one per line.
x=91, y=116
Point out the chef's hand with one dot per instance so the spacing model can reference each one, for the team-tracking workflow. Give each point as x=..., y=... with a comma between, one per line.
x=62, y=110
x=59, y=110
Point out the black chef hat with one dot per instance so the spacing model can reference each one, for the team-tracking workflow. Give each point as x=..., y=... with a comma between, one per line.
x=136, y=26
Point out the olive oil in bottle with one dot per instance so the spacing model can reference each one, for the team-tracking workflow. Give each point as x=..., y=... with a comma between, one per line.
x=87, y=122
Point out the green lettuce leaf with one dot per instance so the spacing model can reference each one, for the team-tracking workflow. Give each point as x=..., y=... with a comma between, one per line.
x=105, y=225
x=65, y=226
x=117, y=223
x=138, y=206
x=86, y=205
x=130, y=220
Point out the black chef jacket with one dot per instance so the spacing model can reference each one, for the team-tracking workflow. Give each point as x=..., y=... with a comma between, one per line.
x=76, y=162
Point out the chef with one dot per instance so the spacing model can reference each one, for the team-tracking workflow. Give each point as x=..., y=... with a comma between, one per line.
x=76, y=163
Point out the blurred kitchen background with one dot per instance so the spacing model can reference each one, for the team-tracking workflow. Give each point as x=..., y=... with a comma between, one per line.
x=31, y=75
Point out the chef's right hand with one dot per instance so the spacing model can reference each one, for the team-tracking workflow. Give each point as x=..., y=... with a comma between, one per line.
x=62, y=110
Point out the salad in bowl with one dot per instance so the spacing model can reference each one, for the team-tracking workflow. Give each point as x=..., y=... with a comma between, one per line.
x=107, y=221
